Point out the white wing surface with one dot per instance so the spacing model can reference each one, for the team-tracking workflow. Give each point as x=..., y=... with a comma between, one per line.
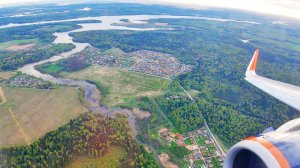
x=284, y=92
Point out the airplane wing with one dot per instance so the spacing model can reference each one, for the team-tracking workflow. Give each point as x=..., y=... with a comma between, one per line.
x=284, y=92
x=272, y=148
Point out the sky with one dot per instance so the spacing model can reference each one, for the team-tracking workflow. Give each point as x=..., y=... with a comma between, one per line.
x=287, y=8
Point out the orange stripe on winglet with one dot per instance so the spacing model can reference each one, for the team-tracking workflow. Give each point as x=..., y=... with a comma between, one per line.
x=275, y=152
x=255, y=58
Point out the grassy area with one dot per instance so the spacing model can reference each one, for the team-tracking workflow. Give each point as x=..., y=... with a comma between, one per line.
x=122, y=87
x=200, y=141
x=37, y=112
x=224, y=146
x=51, y=68
x=198, y=163
x=216, y=163
x=7, y=75
x=188, y=142
x=7, y=44
x=110, y=159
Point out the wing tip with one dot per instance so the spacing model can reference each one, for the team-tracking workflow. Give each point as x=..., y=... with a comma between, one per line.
x=254, y=60
x=252, y=65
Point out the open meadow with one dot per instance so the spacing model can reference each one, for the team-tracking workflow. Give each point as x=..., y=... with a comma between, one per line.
x=28, y=114
x=16, y=44
x=121, y=87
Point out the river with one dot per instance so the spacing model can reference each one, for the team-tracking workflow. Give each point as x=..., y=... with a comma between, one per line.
x=91, y=93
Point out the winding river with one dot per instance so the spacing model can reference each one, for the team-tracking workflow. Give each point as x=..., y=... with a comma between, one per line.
x=91, y=93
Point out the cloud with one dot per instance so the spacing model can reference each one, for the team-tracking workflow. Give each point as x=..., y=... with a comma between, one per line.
x=85, y=9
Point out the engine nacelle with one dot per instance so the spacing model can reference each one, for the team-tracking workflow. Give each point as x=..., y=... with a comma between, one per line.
x=272, y=149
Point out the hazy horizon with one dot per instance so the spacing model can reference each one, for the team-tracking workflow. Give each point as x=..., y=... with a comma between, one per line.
x=285, y=8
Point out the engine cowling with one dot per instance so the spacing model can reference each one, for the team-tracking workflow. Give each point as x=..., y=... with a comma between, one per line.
x=272, y=149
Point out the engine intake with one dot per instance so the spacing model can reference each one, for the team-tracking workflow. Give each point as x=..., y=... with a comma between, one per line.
x=274, y=149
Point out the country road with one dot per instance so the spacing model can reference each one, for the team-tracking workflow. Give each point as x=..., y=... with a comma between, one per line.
x=209, y=131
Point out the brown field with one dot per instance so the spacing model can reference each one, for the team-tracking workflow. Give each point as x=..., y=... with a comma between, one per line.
x=7, y=75
x=18, y=44
x=140, y=113
x=2, y=97
x=19, y=47
x=165, y=161
x=30, y=113
x=123, y=86
x=110, y=160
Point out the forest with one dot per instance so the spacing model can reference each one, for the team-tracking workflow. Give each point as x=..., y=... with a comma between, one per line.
x=12, y=60
x=90, y=135
x=233, y=108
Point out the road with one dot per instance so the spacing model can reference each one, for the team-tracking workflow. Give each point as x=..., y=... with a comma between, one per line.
x=209, y=131
x=215, y=140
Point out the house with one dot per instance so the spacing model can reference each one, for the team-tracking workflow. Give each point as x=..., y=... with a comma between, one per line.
x=172, y=135
x=197, y=156
x=164, y=134
x=179, y=136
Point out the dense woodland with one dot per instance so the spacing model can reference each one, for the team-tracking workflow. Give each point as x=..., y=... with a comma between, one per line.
x=89, y=135
x=12, y=60
x=233, y=108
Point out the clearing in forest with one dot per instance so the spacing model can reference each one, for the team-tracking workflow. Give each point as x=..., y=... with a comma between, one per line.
x=111, y=159
x=16, y=45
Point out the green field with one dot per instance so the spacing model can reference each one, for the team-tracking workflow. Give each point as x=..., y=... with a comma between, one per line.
x=188, y=142
x=216, y=163
x=51, y=68
x=111, y=159
x=122, y=88
x=198, y=163
x=7, y=44
x=36, y=112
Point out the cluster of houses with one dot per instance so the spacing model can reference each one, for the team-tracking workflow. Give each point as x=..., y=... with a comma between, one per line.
x=158, y=64
x=93, y=56
x=144, y=61
x=27, y=81
x=204, y=150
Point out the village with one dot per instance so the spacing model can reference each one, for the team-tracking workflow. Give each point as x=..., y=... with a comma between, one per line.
x=203, y=150
x=26, y=81
x=158, y=64
x=143, y=61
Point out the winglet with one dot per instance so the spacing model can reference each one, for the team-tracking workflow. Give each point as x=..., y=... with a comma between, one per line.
x=252, y=66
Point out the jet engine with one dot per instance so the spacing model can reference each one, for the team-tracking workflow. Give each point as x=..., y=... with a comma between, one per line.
x=271, y=149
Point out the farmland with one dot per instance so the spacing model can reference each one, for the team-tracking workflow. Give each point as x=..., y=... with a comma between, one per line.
x=122, y=88
x=6, y=75
x=36, y=112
